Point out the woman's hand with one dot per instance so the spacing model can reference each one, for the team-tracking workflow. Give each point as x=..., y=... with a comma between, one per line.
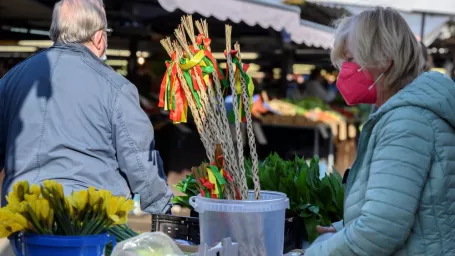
x=322, y=230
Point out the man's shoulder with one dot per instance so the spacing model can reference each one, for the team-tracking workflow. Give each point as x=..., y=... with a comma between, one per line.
x=104, y=71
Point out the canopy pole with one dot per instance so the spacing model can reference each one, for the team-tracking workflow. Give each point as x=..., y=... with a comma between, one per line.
x=422, y=27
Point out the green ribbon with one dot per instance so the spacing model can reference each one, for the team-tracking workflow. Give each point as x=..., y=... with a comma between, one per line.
x=247, y=79
x=219, y=177
x=219, y=180
x=210, y=64
x=208, y=69
x=186, y=182
x=168, y=85
x=189, y=81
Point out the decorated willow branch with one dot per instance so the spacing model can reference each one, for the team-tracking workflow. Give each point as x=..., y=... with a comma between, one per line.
x=194, y=79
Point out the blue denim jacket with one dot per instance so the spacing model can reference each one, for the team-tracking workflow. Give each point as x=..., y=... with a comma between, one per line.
x=67, y=116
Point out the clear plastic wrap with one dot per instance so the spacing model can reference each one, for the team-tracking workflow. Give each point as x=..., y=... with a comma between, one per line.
x=148, y=244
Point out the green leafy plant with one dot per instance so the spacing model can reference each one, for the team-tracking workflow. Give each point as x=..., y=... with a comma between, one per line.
x=317, y=201
x=189, y=187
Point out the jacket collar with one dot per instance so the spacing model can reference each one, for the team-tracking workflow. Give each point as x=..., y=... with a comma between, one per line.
x=76, y=47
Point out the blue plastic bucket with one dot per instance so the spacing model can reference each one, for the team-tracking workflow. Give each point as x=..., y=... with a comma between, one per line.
x=46, y=245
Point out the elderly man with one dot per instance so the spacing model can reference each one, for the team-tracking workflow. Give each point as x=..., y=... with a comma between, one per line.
x=67, y=116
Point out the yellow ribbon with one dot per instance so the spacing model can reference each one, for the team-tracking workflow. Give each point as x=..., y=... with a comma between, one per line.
x=193, y=61
x=212, y=180
x=183, y=118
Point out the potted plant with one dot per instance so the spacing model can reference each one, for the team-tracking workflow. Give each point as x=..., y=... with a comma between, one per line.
x=43, y=221
x=313, y=201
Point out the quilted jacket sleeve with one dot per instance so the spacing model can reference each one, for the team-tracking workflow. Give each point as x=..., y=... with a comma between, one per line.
x=399, y=168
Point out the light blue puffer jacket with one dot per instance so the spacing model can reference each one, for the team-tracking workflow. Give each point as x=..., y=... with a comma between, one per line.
x=400, y=192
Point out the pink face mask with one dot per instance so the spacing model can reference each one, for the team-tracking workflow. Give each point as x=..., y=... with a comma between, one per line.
x=356, y=85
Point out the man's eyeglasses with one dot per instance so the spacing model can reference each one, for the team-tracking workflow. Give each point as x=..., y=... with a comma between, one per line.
x=108, y=31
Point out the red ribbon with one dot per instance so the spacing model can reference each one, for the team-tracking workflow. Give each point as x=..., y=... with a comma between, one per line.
x=163, y=87
x=202, y=192
x=199, y=72
x=238, y=194
x=201, y=39
x=231, y=52
x=209, y=55
x=193, y=77
x=227, y=176
x=206, y=183
x=193, y=49
x=245, y=67
x=179, y=102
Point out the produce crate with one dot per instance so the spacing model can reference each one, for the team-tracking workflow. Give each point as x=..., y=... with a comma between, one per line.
x=187, y=228
x=184, y=228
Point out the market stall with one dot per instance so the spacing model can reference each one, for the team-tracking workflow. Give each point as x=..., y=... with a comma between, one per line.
x=217, y=191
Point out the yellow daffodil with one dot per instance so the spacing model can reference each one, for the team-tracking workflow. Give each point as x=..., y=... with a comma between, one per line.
x=18, y=207
x=68, y=206
x=35, y=190
x=94, y=196
x=17, y=194
x=124, y=207
x=21, y=188
x=111, y=206
x=31, y=197
x=12, y=198
x=45, y=209
x=11, y=222
x=54, y=187
x=5, y=231
x=105, y=194
x=79, y=200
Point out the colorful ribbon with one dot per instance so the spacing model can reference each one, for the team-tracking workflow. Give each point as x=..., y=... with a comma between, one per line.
x=202, y=65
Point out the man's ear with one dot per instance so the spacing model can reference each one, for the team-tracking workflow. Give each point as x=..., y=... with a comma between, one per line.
x=98, y=40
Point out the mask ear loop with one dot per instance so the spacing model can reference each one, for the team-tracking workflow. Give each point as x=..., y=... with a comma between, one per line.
x=379, y=77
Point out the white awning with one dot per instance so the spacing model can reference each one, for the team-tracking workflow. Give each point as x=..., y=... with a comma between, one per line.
x=265, y=13
x=435, y=24
x=446, y=7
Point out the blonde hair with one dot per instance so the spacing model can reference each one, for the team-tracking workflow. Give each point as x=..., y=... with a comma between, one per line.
x=375, y=37
x=76, y=21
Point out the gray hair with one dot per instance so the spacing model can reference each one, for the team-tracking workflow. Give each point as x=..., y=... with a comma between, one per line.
x=375, y=37
x=76, y=21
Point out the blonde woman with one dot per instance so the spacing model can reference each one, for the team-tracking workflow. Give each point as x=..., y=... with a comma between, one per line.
x=400, y=191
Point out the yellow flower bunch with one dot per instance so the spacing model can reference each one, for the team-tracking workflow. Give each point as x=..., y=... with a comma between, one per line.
x=45, y=210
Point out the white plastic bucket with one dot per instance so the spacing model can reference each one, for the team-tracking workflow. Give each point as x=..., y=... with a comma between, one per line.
x=256, y=225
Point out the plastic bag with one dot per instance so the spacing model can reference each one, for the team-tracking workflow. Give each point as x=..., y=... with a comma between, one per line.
x=148, y=244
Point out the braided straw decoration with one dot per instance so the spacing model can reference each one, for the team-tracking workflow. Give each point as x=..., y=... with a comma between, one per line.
x=204, y=113
x=179, y=33
x=225, y=140
x=217, y=130
x=209, y=150
x=209, y=102
x=250, y=132
x=241, y=178
x=229, y=148
x=217, y=101
x=205, y=138
x=209, y=112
